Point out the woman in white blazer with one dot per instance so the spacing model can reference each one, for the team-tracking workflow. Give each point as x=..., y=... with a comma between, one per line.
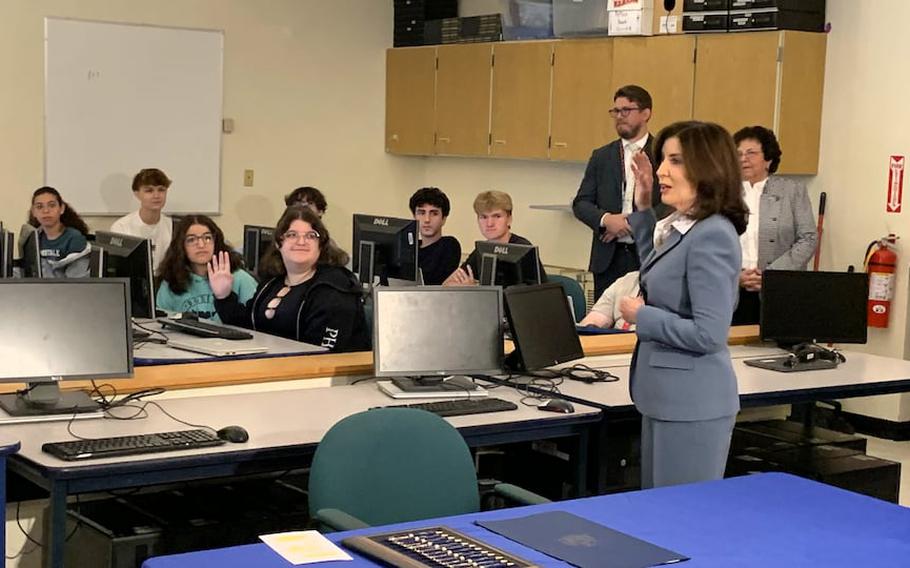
x=682, y=378
x=781, y=233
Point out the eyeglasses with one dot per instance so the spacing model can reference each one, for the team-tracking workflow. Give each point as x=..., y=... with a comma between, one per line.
x=749, y=153
x=205, y=239
x=274, y=302
x=295, y=236
x=623, y=112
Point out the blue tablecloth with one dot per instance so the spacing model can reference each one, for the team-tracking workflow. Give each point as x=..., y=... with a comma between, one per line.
x=763, y=520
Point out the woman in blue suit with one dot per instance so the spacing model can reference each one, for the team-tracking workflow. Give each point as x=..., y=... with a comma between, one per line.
x=682, y=377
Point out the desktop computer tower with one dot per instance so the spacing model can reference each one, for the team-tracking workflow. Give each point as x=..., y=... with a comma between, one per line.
x=122, y=532
x=110, y=534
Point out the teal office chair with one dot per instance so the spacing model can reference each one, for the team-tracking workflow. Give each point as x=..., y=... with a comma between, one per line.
x=391, y=465
x=574, y=291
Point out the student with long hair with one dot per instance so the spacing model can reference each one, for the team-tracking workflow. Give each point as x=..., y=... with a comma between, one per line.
x=62, y=234
x=184, y=271
x=306, y=294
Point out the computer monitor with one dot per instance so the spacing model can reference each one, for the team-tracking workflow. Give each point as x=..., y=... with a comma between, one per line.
x=504, y=264
x=6, y=253
x=429, y=333
x=130, y=257
x=542, y=325
x=62, y=329
x=825, y=307
x=385, y=247
x=31, y=252
x=256, y=241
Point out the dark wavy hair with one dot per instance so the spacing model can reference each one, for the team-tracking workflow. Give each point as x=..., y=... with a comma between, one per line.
x=272, y=264
x=769, y=145
x=430, y=196
x=709, y=157
x=69, y=218
x=176, y=269
x=309, y=194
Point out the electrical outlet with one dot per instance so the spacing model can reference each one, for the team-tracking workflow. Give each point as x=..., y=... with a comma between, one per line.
x=247, y=178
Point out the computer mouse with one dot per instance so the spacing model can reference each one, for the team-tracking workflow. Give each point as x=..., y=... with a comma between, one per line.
x=235, y=434
x=556, y=405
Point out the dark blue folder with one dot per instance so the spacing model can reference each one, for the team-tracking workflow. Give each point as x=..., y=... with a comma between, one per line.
x=581, y=542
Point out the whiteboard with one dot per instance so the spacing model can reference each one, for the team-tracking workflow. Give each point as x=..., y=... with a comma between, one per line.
x=122, y=97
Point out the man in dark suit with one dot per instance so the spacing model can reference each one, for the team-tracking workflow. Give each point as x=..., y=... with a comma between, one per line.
x=604, y=199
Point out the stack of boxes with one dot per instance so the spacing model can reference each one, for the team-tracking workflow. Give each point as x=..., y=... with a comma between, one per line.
x=411, y=16
x=471, y=29
x=753, y=15
x=643, y=17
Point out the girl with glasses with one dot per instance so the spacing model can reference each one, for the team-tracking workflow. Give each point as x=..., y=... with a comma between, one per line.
x=184, y=270
x=307, y=294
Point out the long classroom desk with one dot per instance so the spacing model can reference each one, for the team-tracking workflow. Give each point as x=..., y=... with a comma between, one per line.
x=258, y=369
x=862, y=374
x=285, y=427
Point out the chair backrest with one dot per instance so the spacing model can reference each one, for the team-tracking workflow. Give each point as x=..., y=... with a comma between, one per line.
x=574, y=291
x=391, y=465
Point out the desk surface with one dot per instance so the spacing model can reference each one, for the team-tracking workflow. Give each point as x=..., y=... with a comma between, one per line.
x=862, y=374
x=771, y=519
x=149, y=353
x=276, y=421
x=244, y=371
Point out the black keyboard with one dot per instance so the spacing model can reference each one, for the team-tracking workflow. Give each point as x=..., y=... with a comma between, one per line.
x=462, y=406
x=132, y=445
x=431, y=547
x=205, y=329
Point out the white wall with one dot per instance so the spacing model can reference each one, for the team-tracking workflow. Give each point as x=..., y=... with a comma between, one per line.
x=864, y=121
x=304, y=83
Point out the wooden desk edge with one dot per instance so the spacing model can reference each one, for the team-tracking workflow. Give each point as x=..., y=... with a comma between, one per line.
x=246, y=371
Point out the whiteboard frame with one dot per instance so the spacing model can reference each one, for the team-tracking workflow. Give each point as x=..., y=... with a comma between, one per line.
x=220, y=32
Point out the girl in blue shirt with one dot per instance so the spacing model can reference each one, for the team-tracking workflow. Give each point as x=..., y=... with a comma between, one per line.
x=184, y=270
x=62, y=241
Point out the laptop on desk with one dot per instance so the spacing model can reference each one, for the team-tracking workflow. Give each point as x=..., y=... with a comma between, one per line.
x=213, y=346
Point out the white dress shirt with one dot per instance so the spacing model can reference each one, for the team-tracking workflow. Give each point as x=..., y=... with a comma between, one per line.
x=749, y=240
x=630, y=147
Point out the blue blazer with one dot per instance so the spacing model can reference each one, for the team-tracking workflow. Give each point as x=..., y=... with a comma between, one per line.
x=681, y=370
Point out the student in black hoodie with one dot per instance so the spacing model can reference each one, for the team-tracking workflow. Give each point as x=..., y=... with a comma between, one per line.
x=306, y=293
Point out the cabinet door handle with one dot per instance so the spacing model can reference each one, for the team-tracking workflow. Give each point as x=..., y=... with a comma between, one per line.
x=560, y=145
x=444, y=139
x=501, y=142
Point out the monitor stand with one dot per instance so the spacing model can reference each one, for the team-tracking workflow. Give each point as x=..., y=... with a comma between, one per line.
x=459, y=383
x=45, y=398
x=807, y=356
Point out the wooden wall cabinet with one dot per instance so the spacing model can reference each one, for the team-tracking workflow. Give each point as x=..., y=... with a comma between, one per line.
x=410, y=95
x=463, y=76
x=772, y=79
x=582, y=95
x=665, y=66
x=519, y=119
x=549, y=99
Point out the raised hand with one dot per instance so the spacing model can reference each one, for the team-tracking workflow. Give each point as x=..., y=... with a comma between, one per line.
x=644, y=180
x=220, y=278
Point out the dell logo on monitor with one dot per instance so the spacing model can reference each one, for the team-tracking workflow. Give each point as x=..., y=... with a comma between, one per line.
x=380, y=221
x=501, y=250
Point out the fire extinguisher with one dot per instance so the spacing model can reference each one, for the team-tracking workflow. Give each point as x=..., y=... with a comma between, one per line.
x=881, y=261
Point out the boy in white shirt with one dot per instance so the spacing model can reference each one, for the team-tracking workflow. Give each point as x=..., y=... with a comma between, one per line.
x=150, y=188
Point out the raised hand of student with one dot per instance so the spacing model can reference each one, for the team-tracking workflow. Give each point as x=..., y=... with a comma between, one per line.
x=220, y=278
x=644, y=180
x=461, y=277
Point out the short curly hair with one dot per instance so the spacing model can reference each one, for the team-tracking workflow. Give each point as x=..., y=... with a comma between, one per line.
x=769, y=145
x=430, y=196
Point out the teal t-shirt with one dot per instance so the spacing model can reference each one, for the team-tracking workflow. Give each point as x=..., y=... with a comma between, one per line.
x=198, y=297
